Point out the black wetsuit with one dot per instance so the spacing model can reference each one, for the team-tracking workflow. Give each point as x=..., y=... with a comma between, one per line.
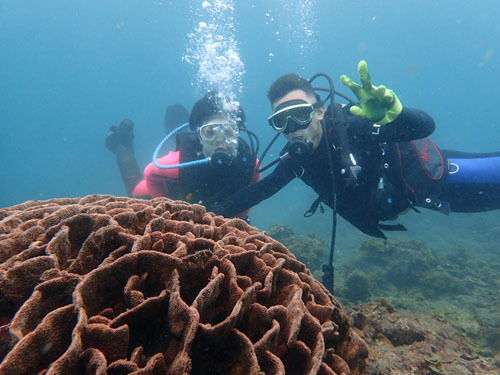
x=382, y=189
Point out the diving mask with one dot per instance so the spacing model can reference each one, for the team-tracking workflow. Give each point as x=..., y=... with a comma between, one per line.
x=219, y=141
x=213, y=131
x=291, y=116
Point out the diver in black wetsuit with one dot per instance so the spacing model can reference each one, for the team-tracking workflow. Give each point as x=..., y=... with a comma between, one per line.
x=369, y=161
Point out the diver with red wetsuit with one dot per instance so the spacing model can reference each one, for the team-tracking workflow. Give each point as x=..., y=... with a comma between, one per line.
x=210, y=162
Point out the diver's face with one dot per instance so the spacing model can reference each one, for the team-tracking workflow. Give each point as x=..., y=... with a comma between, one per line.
x=314, y=131
x=219, y=133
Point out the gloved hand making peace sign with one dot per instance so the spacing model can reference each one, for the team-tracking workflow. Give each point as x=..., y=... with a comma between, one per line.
x=377, y=104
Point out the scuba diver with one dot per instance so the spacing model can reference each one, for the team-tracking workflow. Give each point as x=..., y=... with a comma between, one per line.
x=346, y=153
x=369, y=161
x=210, y=162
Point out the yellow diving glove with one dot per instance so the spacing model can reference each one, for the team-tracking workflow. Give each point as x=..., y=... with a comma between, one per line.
x=377, y=104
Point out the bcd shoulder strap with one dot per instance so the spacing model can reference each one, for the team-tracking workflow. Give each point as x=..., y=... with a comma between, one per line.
x=339, y=139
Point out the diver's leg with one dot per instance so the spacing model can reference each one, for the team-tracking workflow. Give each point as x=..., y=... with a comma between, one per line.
x=120, y=141
x=129, y=169
x=473, y=182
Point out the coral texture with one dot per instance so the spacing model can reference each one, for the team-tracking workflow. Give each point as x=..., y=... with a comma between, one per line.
x=107, y=285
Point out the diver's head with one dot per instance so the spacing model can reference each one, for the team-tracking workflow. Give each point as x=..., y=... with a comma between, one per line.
x=297, y=110
x=217, y=128
x=219, y=139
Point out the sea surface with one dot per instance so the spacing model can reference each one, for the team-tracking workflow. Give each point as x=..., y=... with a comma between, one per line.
x=71, y=69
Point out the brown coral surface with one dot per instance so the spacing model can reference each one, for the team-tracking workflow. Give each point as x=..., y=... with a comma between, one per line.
x=107, y=285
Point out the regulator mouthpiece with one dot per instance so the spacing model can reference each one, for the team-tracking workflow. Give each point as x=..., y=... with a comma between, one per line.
x=300, y=148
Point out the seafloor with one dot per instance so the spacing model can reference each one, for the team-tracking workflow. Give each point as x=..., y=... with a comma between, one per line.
x=421, y=311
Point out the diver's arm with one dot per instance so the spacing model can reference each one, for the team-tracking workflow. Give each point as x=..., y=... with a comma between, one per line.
x=255, y=193
x=410, y=124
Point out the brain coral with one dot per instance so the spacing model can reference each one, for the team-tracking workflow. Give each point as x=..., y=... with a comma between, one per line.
x=107, y=285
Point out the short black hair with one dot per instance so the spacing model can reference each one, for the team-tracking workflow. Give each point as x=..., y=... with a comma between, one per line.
x=287, y=83
x=210, y=105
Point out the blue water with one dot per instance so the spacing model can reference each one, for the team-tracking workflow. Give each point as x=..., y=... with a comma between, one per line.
x=69, y=70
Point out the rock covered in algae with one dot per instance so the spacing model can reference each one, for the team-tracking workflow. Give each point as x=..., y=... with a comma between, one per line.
x=399, y=265
x=417, y=343
x=107, y=285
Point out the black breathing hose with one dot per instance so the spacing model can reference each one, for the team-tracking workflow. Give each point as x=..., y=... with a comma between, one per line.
x=328, y=269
